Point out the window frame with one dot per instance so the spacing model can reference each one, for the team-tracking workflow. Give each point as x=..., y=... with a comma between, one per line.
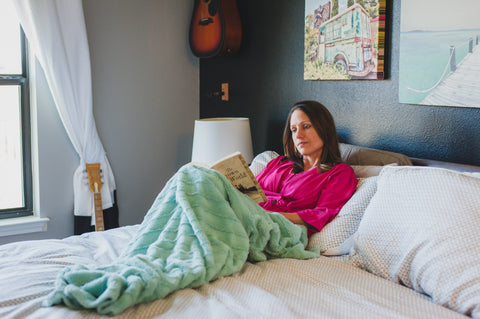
x=22, y=80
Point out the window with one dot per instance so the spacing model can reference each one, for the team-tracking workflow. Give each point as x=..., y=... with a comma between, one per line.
x=15, y=154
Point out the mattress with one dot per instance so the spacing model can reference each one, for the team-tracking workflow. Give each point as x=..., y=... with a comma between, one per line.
x=324, y=287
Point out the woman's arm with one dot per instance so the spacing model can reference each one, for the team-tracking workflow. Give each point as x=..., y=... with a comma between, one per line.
x=295, y=218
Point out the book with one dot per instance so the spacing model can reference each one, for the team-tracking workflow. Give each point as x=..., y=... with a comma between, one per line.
x=235, y=168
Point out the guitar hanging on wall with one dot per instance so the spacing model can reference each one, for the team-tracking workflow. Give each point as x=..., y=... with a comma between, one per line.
x=215, y=29
x=95, y=185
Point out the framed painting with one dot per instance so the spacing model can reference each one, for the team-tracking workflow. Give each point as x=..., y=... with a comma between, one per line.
x=344, y=39
x=439, y=53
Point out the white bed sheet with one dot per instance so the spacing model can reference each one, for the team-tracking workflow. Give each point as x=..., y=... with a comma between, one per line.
x=283, y=288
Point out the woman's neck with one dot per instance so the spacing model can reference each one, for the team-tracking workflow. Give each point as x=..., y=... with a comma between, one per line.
x=309, y=163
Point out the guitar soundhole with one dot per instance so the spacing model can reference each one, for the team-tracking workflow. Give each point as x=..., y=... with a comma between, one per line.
x=205, y=21
x=213, y=31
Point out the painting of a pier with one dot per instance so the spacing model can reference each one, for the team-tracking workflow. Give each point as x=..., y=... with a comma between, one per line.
x=440, y=53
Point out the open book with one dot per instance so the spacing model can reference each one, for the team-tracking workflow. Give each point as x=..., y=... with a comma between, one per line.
x=235, y=168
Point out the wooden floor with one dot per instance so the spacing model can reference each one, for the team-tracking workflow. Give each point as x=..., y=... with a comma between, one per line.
x=460, y=88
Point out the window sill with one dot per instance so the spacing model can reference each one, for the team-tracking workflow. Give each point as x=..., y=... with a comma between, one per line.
x=22, y=225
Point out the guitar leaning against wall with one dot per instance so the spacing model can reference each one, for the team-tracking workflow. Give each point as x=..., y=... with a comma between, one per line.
x=95, y=185
x=215, y=28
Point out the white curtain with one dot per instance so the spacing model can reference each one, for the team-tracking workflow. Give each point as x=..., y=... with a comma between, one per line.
x=56, y=31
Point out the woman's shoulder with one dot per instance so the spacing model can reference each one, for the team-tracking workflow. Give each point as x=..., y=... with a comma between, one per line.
x=342, y=167
x=281, y=159
x=281, y=162
x=276, y=163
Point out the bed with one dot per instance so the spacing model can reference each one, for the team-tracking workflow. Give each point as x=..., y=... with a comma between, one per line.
x=382, y=257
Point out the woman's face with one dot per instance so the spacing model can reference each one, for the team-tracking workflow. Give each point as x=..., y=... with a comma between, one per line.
x=304, y=135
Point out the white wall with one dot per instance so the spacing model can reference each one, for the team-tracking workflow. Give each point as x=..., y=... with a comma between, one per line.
x=145, y=93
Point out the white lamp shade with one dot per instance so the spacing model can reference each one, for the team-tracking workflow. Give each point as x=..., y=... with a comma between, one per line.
x=214, y=138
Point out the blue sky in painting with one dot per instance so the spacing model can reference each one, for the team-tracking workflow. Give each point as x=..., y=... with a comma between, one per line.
x=439, y=15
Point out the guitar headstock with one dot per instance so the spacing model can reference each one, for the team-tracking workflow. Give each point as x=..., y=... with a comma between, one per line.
x=94, y=177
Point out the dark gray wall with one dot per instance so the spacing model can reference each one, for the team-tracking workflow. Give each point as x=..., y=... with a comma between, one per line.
x=266, y=78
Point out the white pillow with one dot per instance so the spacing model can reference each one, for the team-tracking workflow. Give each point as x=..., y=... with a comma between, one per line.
x=261, y=160
x=346, y=222
x=421, y=230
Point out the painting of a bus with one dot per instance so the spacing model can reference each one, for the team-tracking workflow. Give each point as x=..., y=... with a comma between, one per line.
x=347, y=42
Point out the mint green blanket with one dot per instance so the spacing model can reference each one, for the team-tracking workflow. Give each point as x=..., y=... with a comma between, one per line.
x=199, y=228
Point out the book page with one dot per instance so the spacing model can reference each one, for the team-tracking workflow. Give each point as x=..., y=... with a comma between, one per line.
x=236, y=170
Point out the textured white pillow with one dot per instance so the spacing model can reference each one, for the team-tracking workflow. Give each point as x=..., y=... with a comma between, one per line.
x=261, y=160
x=421, y=230
x=346, y=222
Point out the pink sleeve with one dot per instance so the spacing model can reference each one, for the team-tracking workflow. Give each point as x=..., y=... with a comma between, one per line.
x=340, y=187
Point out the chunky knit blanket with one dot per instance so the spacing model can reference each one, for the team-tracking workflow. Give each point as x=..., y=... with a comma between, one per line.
x=198, y=229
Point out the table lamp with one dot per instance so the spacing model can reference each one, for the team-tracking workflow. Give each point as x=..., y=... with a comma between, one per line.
x=215, y=138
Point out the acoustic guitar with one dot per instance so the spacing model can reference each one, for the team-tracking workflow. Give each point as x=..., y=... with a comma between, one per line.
x=95, y=185
x=215, y=28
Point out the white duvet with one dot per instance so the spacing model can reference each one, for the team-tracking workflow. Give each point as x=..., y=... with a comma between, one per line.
x=283, y=288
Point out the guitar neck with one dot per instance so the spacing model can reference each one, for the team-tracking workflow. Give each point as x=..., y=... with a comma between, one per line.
x=95, y=185
x=99, y=225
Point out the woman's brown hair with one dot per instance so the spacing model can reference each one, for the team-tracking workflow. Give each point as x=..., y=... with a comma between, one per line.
x=324, y=125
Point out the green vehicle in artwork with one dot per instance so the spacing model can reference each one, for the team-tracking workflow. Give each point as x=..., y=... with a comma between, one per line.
x=345, y=40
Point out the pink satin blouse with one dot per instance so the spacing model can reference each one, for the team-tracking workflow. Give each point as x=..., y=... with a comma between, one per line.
x=315, y=196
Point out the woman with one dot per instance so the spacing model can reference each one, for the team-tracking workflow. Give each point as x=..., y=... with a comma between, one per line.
x=310, y=184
